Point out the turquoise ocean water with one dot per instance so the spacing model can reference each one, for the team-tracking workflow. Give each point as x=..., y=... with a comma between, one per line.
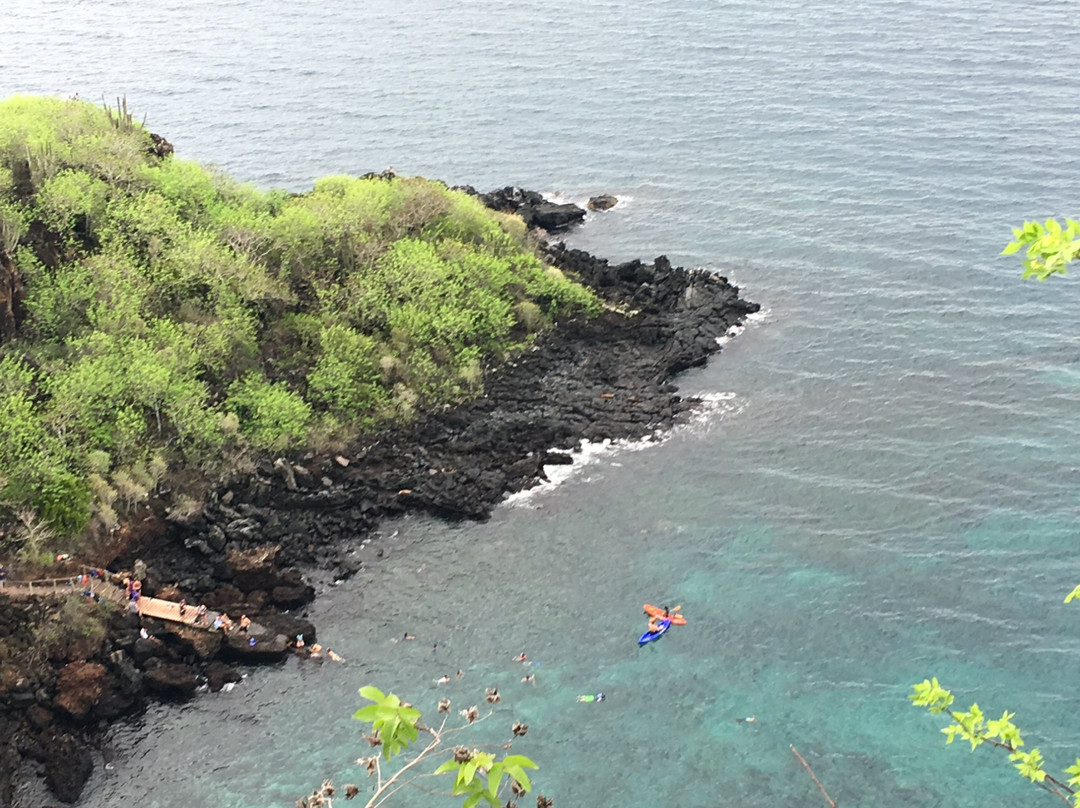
x=883, y=484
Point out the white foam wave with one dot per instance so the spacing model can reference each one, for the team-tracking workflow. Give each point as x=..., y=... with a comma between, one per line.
x=751, y=319
x=730, y=334
x=759, y=316
x=582, y=199
x=590, y=453
x=587, y=454
x=713, y=408
x=559, y=198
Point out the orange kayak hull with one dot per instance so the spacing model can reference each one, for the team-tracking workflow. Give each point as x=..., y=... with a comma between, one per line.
x=655, y=611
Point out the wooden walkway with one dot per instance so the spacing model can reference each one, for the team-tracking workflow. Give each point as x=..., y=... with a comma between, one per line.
x=157, y=608
x=55, y=586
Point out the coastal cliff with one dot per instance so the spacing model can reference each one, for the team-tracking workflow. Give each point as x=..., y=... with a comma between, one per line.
x=600, y=378
x=580, y=350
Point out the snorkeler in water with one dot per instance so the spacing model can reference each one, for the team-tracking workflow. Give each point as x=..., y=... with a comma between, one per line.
x=589, y=698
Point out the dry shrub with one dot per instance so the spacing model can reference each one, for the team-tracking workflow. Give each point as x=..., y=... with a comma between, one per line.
x=529, y=315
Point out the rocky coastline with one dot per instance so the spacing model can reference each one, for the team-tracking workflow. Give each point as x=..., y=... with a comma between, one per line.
x=245, y=549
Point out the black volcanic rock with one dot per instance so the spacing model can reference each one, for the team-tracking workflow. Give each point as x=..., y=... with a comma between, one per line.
x=172, y=681
x=68, y=766
x=551, y=217
x=533, y=208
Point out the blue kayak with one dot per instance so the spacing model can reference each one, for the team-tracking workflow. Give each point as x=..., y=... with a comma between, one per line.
x=649, y=636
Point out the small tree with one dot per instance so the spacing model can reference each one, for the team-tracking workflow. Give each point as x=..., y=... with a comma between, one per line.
x=1050, y=247
x=1001, y=733
x=397, y=726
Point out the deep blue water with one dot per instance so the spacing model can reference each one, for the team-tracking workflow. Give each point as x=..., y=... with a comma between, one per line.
x=883, y=487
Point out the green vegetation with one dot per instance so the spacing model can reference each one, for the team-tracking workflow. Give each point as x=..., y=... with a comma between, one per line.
x=176, y=320
x=1050, y=247
x=973, y=727
x=74, y=629
x=397, y=725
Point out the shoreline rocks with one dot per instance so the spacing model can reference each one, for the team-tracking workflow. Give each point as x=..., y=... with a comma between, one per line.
x=603, y=202
x=588, y=379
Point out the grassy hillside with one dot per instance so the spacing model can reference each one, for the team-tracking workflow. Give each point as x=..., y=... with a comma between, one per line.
x=176, y=322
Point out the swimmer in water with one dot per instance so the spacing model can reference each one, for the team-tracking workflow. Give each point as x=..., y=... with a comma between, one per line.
x=519, y=658
x=599, y=697
x=530, y=679
x=442, y=680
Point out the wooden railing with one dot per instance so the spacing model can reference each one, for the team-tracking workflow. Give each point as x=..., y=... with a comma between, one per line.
x=72, y=583
x=42, y=586
x=147, y=606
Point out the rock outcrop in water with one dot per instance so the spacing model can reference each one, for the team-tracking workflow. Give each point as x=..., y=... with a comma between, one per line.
x=603, y=202
x=588, y=379
x=536, y=211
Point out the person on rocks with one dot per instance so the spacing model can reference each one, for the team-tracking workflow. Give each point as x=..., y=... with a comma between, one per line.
x=226, y=623
x=3, y=574
x=299, y=641
x=245, y=623
x=219, y=622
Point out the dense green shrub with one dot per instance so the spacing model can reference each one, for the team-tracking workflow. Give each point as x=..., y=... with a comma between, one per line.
x=346, y=375
x=72, y=199
x=271, y=415
x=176, y=318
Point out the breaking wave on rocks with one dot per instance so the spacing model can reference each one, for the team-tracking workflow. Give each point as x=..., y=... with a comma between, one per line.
x=708, y=410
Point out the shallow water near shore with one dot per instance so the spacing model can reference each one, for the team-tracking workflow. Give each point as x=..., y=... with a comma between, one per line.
x=884, y=488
